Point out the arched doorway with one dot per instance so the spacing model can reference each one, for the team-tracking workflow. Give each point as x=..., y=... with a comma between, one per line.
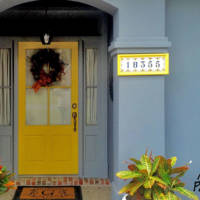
x=69, y=22
x=103, y=5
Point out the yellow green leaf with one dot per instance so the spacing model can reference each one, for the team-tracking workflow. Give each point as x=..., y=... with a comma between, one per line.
x=136, y=186
x=173, y=161
x=146, y=162
x=149, y=183
x=164, y=175
x=157, y=195
x=135, y=161
x=147, y=194
x=155, y=165
x=186, y=193
x=179, y=169
x=171, y=196
x=141, y=167
x=126, y=188
x=128, y=174
x=157, y=179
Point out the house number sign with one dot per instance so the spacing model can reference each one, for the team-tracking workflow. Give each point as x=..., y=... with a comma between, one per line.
x=143, y=64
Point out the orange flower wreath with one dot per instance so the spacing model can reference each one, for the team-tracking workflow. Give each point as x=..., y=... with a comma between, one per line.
x=44, y=77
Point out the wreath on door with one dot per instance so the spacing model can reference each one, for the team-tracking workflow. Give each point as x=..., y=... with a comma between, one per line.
x=46, y=68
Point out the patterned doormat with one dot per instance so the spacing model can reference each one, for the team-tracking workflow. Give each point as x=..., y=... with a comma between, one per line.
x=48, y=193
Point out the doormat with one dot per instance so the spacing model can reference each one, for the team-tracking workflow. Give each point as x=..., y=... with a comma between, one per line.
x=48, y=193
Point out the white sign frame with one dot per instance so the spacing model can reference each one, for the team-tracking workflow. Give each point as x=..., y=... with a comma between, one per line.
x=143, y=64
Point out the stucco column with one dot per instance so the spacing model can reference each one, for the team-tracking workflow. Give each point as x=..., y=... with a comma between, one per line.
x=138, y=104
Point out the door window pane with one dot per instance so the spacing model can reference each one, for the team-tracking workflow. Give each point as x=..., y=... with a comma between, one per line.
x=29, y=76
x=91, y=86
x=37, y=107
x=60, y=106
x=91, y=105
x=5, y=87
x=65, y=56
x=4, y=106
x=5, y=67
x=91, y=67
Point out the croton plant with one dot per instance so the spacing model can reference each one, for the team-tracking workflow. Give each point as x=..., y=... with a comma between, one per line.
x=5, y=180
x=155, y=178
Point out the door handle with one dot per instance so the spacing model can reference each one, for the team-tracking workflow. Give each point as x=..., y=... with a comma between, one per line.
x=74, y=116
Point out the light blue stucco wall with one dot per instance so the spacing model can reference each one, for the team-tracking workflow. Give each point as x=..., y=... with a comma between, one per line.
x=183, y=85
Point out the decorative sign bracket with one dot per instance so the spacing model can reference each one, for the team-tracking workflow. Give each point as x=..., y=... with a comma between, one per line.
x=143, y=64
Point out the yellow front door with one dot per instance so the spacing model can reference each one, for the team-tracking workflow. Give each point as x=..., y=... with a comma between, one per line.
x=48, y=118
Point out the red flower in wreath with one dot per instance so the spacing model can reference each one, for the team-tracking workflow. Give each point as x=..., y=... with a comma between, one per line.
x=50, y=59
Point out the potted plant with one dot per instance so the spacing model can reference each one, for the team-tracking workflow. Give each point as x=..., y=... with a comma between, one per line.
x=5, y=180
x=154, y=178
